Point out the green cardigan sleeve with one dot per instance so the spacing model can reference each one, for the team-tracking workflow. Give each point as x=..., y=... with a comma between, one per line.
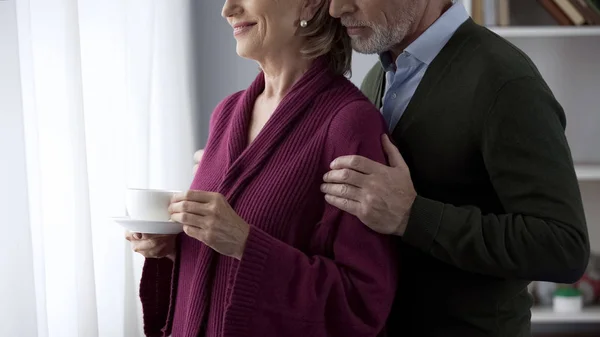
x=373, y=85
x=542, y=235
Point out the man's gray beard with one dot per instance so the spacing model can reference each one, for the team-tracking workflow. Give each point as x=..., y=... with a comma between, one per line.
x=380, y=40
x=384, y=38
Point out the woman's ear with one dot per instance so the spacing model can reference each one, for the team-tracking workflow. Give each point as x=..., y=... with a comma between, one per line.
x=310, y=8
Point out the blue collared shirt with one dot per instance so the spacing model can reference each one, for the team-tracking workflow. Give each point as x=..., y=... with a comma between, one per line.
x=403, y=76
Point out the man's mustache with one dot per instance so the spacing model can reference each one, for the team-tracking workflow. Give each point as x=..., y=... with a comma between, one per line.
x=351, y=22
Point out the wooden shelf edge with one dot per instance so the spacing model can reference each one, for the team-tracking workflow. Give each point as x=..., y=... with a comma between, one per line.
x=588, y=172
x=546, y=31
x=547, y=315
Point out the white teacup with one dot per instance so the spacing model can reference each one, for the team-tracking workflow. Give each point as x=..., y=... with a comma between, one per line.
x=150, y=205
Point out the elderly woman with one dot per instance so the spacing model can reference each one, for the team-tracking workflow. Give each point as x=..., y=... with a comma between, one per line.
x=262, y=253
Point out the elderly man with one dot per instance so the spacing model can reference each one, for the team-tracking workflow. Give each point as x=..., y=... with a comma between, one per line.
x=481, y=189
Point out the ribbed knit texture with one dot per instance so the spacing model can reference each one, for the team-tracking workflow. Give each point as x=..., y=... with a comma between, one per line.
x=308, y=269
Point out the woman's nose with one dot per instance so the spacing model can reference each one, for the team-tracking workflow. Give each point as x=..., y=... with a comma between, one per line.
x=231, y=8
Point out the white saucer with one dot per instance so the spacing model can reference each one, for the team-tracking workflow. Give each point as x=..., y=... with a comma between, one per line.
x=149, y=227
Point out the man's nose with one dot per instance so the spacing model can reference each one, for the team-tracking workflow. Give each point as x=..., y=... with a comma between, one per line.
x=337, y=8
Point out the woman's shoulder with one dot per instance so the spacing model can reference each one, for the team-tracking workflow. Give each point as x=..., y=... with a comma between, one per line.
x=355, y=128
x=221, y=114
x=355, y=116
x=227, y=104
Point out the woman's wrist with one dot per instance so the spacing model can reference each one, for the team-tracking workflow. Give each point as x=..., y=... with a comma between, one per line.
x=243, y=240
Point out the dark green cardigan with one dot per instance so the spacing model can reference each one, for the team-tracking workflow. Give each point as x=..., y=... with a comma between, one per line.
x=499, y=201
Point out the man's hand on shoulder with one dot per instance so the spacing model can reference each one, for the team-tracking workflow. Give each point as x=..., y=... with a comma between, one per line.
x=380, y=196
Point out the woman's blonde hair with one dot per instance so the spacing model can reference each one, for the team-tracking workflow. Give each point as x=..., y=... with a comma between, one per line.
x=325, y=35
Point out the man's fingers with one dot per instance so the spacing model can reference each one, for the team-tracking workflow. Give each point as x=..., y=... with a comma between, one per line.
x=344, y=176
x=356, y=163
x=342, y=190
x=346, y=205
x=392, y=152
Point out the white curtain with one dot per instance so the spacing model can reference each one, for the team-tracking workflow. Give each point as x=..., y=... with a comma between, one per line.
x=107, y=104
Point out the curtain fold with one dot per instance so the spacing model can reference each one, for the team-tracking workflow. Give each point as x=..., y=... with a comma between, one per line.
x=18, y=302
x=107, y=104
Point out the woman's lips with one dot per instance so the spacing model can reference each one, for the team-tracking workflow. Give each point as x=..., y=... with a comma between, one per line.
x=242, y=28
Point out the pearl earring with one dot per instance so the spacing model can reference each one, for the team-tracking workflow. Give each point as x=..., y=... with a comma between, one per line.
x=303, y=23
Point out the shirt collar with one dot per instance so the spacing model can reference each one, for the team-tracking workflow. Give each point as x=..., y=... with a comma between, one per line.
x=427, y=46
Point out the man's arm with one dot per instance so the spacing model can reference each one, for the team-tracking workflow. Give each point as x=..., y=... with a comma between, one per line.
x=373, y=84
x=542, y=235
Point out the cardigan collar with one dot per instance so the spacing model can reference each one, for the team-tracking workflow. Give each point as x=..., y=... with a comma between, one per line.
x=246, y=159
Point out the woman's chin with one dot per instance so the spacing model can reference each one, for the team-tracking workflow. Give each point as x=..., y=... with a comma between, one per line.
x=245, y=52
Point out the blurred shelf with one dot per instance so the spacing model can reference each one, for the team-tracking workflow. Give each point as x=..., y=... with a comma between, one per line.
x=546, y=31
x=546, y=315
x=588, y=172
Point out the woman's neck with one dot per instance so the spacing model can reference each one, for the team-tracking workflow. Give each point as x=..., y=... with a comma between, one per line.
x=281, y=74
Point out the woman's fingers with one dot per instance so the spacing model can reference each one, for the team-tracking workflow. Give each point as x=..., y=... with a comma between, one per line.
x=144, y=245
x=131, y=236
x=152, y=245
x=188, y=219
x=194, y=195
x=152, y=248
x=191, y=207
x=195, y=232
x=198, y=156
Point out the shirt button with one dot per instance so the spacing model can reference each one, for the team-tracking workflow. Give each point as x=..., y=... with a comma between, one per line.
x=394, y=96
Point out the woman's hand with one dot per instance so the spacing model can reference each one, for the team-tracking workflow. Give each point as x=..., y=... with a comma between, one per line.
x=153, y=245
x=209, y=218
x=197, y=158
